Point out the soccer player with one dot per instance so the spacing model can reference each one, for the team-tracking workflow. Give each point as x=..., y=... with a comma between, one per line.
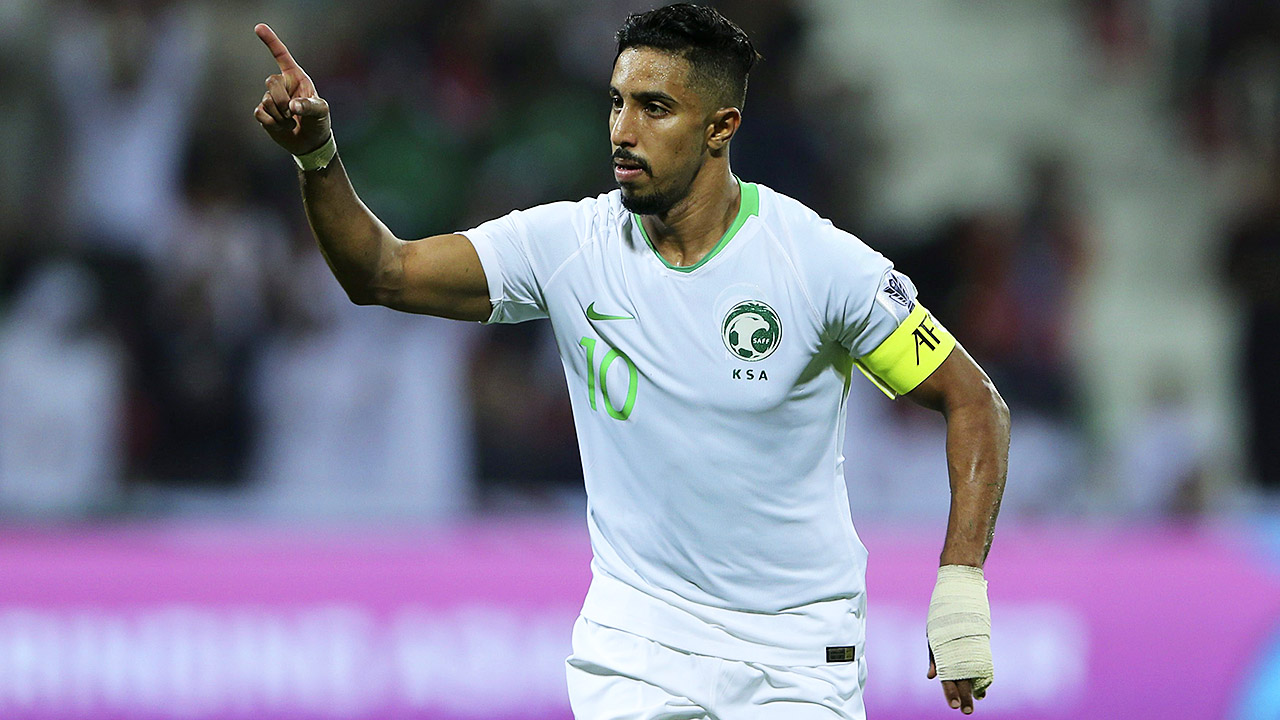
x=709, y=329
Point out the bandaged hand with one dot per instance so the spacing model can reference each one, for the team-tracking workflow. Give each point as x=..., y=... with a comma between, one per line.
x=959, y=632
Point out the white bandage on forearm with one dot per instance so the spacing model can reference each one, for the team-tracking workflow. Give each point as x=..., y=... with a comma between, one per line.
x=959, y=626
x=318, y=158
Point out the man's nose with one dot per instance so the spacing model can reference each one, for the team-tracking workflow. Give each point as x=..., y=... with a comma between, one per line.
x=621, y=132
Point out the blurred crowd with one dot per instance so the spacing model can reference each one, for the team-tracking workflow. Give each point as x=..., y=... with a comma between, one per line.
x=170, y=338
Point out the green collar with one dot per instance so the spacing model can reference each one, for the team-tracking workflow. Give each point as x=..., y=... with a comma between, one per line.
x=749, y=206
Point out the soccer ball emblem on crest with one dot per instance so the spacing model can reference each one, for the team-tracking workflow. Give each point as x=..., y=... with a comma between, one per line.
x=751, y=330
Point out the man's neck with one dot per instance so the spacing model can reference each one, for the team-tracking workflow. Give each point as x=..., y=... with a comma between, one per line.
x=687, y=232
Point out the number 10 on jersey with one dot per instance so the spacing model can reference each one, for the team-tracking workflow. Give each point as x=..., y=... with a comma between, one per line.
x=633, y=379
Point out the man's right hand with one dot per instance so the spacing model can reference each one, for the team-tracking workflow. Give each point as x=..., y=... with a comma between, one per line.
x=291, y=112
x=439, y=275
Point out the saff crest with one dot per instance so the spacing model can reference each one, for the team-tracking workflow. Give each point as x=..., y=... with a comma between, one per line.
x=751, y=330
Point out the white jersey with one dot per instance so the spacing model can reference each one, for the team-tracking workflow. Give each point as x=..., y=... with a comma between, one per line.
x=709, y=402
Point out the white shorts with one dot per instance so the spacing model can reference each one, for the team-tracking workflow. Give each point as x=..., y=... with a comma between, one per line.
x=614, y=675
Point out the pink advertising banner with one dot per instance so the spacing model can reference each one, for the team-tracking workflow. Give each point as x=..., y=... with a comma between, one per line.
x=169, y=621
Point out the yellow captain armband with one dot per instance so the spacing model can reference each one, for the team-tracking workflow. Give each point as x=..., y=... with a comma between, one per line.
x=909, y=355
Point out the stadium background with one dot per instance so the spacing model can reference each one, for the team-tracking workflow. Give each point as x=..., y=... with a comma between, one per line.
x=226, y=492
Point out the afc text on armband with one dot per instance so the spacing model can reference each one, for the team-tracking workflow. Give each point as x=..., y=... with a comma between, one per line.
x=920, y=332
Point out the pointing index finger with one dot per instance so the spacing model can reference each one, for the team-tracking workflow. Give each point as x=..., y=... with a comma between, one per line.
x=277, y=48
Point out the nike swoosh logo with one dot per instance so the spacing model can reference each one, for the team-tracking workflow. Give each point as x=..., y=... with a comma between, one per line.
x=593, y=315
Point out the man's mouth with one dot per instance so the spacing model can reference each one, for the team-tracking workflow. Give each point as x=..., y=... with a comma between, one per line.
x=626, y=169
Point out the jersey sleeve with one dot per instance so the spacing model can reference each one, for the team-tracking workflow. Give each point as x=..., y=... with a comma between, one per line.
x=872, y=310
x=911, y=342
x=520, y=251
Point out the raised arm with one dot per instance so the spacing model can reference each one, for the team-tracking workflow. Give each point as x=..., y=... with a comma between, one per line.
x=439, y=275
x=977, y=460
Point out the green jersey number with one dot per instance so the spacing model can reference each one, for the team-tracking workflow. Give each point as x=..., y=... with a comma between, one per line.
x=633, y=379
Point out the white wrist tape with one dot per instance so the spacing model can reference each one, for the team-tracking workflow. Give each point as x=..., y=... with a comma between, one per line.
x=959, y=627
x=318, y=158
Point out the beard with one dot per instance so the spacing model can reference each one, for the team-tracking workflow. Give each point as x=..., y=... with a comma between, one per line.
x=658, y=200
x=654, y=203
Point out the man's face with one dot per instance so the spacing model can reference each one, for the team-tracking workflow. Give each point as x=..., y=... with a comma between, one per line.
x=657, y=127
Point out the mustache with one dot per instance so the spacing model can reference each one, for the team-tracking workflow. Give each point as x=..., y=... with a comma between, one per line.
x=625, y=154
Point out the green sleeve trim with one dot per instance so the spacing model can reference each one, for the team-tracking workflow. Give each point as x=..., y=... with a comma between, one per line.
x=749, y=206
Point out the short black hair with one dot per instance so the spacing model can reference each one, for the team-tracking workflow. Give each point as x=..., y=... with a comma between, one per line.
x=719, y=52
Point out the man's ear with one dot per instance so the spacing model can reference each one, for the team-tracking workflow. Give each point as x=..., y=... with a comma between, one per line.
x=721, y=127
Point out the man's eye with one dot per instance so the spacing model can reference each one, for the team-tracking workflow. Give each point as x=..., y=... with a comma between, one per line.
x=615, y=102
x=655, y=109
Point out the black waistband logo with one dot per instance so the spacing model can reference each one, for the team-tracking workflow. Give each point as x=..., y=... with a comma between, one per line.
x=844, y=653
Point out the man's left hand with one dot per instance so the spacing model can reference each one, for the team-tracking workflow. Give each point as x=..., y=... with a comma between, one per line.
x=959, y=632
x=959, y=693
